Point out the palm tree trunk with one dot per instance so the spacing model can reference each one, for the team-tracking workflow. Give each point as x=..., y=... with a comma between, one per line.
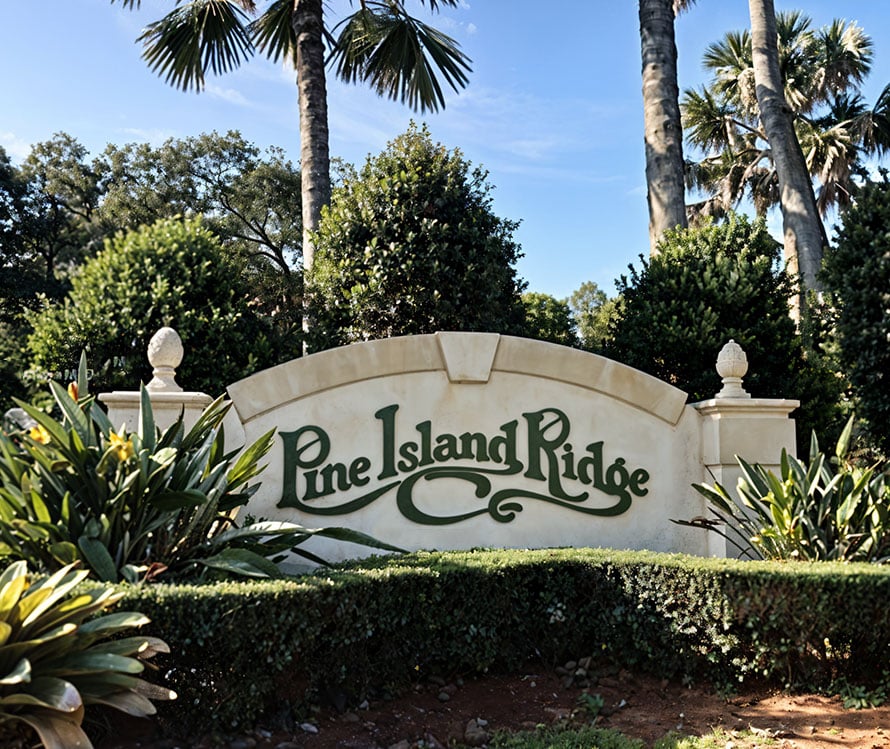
x=803, y=229
x=315, y=177
x=661, y=117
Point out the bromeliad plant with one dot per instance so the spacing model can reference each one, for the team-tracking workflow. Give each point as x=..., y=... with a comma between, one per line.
x=829, y=510
x=57, y=656
x=136, y=505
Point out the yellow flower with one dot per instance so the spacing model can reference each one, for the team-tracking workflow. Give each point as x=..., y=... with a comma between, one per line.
x=39, y=434
x=123, y=448
x=72, y=390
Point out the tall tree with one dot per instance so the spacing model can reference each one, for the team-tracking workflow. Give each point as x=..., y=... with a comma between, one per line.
x=411, y=245
x=380, y=44
x=663, y=132
x=804, y=234
x=822, y=72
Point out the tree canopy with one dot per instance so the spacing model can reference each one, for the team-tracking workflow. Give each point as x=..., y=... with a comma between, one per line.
x=411, y=245
x=174, y=272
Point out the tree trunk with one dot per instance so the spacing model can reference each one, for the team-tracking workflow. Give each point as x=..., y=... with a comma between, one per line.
x=803, y=229
x=661, y=117
x=315, y=176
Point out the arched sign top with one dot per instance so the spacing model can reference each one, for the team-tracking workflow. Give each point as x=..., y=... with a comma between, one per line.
x=468, y=358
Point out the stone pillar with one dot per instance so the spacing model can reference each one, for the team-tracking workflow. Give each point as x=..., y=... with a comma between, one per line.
x=735, y=424
x=168, y=400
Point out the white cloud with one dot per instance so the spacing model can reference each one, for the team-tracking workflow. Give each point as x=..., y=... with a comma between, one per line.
x=15, y=147
x=230, y=95
x=143, y=135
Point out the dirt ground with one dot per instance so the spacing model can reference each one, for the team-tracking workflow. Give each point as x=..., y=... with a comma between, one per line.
x=440, y=714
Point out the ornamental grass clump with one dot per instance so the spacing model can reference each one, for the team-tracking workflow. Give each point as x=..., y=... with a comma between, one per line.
x=60, y=651
x=831, y=509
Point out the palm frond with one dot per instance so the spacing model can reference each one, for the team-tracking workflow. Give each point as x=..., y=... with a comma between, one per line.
x=273, y=32
x=708, y=123
x=399, y=57
x=845, y=53
x=199, y=36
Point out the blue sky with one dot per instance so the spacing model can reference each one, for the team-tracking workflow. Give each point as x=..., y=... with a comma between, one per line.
x=553, y=110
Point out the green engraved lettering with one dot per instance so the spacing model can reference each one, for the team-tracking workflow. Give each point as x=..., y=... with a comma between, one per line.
x=357, y=470
x=637, y=479
x=542, y=451
x=408, y=453
x=388, y=417
x=426, y=456
x=298, y=447
x=446, y=448
x=474, y=446
x=502, y=449
x=568, y=462
x=594, y=464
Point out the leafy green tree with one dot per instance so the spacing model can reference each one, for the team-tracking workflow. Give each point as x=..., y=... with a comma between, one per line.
x=249, y=198
x=63, y=194
x=380, y=44
x=592, y=310
x=410, y=245
x=710, y=284
x=176, y=273
x=37, y=235
x=549, y=319
x=857, y=271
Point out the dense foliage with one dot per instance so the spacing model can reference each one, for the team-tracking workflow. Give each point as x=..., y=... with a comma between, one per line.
x=857, y=271
x=58, y=656
x=59, y=204
x=708, y=285
x=592, y=309
x=549, y=319
x=122, y=505
x=173, y=273
x=829, y=509
x=377, y=626
x=150, y=504
x=410, y=245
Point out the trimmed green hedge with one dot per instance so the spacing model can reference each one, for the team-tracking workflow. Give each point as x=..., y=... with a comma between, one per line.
x=245, y=650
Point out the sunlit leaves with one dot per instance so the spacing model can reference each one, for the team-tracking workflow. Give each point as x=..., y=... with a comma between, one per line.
x=397, y=55
x=199, y=36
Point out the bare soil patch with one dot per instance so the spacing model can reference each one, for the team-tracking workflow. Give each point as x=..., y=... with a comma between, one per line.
x=645, y=707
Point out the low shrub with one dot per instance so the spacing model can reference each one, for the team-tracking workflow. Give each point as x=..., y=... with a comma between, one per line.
x=831, y=509
x=137, y=506
x=57, y=656
x=251, y=649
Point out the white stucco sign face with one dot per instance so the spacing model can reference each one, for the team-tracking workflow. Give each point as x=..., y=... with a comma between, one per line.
x=460, y=440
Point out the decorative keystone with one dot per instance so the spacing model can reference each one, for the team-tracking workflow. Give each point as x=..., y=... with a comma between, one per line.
x=732, y=364
x=165, y=355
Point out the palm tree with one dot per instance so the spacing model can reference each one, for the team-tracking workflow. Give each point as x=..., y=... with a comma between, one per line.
x=802, y=226
x=663, y=131
x=821, y=71
x=380, y=44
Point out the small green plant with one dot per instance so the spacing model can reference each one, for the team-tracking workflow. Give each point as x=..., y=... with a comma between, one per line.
x=718, y=738
x=832, y=509
x=591, y=704
x=137, y=505
x=859, y=697
x=57, y=656
x=560, y=737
